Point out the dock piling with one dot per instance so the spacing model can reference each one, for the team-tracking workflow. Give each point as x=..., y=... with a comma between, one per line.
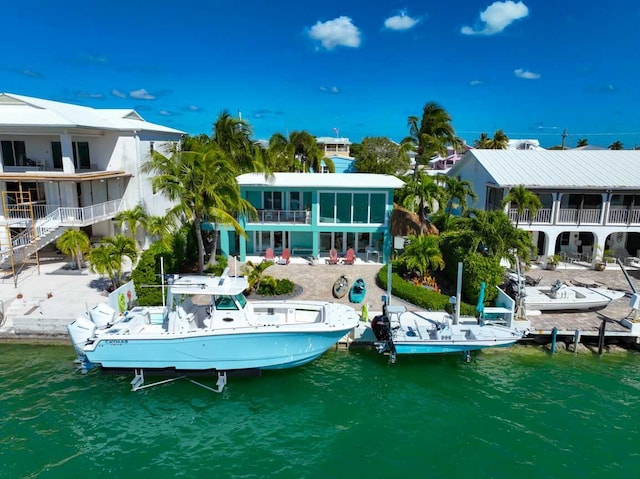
x=576, y=340
x=554, y=334
x=601, y=331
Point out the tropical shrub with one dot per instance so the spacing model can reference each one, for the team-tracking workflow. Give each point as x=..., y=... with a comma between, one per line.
x=218, y=267
x=148, y=273
x=270, y=286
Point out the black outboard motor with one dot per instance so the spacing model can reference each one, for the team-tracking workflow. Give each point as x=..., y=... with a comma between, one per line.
x=381, y=327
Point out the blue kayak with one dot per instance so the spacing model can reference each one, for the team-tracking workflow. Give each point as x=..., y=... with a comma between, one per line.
x=358, y=291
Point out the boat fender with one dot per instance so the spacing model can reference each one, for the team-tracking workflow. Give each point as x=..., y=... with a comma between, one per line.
x=122, y=302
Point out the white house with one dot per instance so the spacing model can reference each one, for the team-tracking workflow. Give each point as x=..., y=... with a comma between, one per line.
x=590, y=198
x=64, y=165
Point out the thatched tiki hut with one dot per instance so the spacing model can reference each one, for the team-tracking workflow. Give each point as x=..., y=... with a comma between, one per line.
x=407, y=223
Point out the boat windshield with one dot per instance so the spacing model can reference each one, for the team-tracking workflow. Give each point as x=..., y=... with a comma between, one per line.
x=224, y=302
x=242, y=301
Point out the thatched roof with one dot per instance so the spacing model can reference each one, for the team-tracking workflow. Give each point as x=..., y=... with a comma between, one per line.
x=406, y=223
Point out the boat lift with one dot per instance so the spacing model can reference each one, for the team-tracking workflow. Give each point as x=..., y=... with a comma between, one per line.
x=137, y=383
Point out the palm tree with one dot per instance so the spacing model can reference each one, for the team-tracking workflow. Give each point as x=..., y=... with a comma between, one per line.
x=423, y=192
x=120, y=247
x=161, y=229
x=132, y=218
x=431, y=134
x=255, y=273
x=74, y=243
x=524, y=200
x=422, y=255
x=482, y=142
x=456, y=191
x=233, y=137
x=281, y=154
x=616, y=145
x=105, y=263
x=308, y=153
x=499, y=141
x=203, y=186
x=582, y=142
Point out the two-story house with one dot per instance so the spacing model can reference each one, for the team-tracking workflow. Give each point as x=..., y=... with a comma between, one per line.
x=338, y=150
x=590, y=198
x=64, y=165
x=312, y=213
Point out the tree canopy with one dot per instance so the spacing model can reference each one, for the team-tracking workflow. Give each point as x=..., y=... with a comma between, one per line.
x=381, y=155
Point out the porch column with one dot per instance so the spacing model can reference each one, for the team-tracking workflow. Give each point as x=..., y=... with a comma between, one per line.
x=243, y=247
x=315, y=244
x=224, y=242
x=555, y=212
x=67, y=153
x=550, y=248
x=606, y=205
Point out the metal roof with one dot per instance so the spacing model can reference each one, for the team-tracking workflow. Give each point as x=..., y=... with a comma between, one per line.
x=321, y=180
x=24, y=111
x=558, y=168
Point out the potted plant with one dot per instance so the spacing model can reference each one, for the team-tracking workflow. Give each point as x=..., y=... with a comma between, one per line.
x=600, y=264
x=552, y=262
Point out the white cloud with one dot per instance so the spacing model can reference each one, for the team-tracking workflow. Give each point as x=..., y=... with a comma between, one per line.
x=332, y=89
x=400, y=22
x=526, y=74
x=498, y=16
x=476, y=82
x=141, y=94
x=118, y=93
x=337, y=32
x=165, y=113
x=193, y=108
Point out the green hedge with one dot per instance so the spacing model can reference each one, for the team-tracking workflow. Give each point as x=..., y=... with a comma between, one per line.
x=270, y=286
x=422, y=297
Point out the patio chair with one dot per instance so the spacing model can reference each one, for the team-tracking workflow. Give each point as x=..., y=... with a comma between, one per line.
x=350, y=258
x=268, y=255
x=333, y=256
x=286, y=256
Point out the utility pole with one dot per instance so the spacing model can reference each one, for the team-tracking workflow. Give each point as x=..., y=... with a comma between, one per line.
x=564, y=136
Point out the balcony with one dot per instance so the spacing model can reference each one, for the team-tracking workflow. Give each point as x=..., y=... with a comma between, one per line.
x=283, y=216
x=20, y=216
x=575, y=216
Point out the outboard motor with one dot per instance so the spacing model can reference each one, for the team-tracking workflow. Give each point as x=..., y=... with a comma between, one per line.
x=381, y=327
x=80, y=331
x=102, y=315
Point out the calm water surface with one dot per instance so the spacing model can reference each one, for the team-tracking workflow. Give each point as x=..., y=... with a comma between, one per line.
x=515, y=413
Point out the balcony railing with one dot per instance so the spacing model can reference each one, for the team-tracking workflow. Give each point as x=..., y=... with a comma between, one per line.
x=283, y=216
x=575, y=216
x=543, y=215
x=66, y=215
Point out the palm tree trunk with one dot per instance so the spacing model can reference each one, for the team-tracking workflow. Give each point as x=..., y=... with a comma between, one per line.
x=214, y=245
x=197, y=223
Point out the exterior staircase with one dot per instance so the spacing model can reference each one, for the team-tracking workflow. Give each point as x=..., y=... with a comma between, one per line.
x=50, y=227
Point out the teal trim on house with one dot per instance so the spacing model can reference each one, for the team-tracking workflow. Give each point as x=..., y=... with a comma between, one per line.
x=313, y=213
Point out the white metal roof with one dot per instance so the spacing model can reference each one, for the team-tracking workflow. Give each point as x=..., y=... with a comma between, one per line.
x=24, y=111
x=321, y=180
x=332, y=140
x=558, y=168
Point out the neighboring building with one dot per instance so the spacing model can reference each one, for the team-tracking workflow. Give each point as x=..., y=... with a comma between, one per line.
x=515, y=144
x=64, y=166
x=312, y=213
x=589, y=198
x=337, y=149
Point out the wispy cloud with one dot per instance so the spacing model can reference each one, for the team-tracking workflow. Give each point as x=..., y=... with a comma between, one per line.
x=191, y=108
x=476, y=82
x=265, y=113
x=23, y=71
x=601, y=89
x=92, y=96
x=402, y=21
x=118, y=93
x=526, y=74
x=141, y=94
x=167, y=113
x=496, y=17
x=331, y=89
x=92, y=58
x=337, y=32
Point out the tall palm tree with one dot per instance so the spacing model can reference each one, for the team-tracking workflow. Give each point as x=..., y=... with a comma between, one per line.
x=233, y=137
x=524, y=200
x=616, y=145
x=121, y=247
x=282, y=154
x=202, y=185
x=133, y=218
x=308, y=153
x=430, y=134
x=105, y=263
x=74, y=243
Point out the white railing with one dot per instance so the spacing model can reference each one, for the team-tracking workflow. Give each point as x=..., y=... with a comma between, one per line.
x=283, y=216
x=576, y=216
x=543, y=215
x=70, y=216
x=623, y=216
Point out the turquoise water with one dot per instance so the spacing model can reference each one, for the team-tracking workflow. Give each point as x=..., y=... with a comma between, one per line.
x=513, y=413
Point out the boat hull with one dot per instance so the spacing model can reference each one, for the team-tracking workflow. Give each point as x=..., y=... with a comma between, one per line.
x=222, y=352
x=435, y=347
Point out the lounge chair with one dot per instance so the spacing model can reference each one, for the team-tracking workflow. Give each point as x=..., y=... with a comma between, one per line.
x=350, y=258
x=286, y=256
x=268, y=255
x=333, y=256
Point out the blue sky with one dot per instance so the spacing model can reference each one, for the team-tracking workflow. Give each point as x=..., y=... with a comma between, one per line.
x=531, y=68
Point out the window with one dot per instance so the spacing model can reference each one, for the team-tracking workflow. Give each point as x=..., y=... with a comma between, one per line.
x=294, y=200
x=352, y=208
x=81, y=159
x=14, y=153
x=272, y=200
